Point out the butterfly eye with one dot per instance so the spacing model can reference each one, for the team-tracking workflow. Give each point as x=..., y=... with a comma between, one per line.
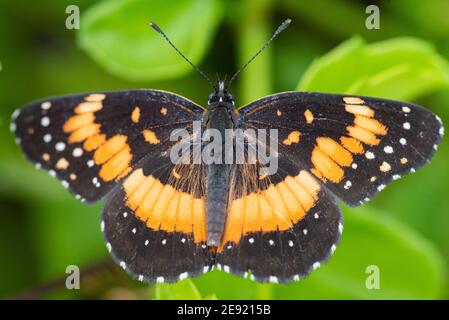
x=212, y=98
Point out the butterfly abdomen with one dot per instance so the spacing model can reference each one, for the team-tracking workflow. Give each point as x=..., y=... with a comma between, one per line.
x=218, y=122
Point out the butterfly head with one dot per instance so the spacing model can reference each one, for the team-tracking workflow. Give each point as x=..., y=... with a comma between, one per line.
x=220, y=95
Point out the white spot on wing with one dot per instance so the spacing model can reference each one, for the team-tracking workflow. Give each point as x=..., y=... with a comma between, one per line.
x=406, y=125
x=183, y=276
x=60, y=146
x=46, y=105
x=77, y=152
x=333, y=248
x=15, y=114
x=348, y=185
x=273, y=279
x=388, y=149
x=369, y=155
x=45, y=121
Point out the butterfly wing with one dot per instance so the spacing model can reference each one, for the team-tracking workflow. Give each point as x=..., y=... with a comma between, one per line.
x=278, y=231
x=92, y=141
x=155, y=222
x=282, y=226
x=354, y=145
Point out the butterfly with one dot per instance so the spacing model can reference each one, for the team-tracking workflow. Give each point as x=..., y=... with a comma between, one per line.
x=164, y=221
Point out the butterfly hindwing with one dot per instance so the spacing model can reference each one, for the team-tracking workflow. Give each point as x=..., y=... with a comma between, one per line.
x=354, y=145
x=155, y=223
x=91, y=141
x=279, y=231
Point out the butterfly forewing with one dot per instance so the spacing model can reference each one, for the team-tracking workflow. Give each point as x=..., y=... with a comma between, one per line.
x=354, y=145
x=92, y=141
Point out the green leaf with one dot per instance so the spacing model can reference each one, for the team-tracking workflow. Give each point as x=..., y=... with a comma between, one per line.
x=409, y=265
x=117, y=36
x=401, y=68
x=183, y=290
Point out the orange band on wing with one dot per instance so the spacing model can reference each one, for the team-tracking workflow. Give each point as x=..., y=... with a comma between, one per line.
x=162, y=207
x=278, y=207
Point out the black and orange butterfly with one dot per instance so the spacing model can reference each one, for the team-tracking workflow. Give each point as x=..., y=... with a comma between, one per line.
x=166, y=221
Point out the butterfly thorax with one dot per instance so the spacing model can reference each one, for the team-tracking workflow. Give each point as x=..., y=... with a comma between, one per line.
x=221, y=116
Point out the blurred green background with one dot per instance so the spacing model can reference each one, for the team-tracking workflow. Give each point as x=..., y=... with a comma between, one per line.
x=327, y=48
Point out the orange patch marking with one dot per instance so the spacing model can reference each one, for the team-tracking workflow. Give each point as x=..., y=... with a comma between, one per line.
x=88, y=107
x=135, y=115
x=279, y=113
x=352, y=145
x=199, y=220
x=84, y=133
x=150, y=137
x=108, y=149
x=168, y=220
x=95, y=97
x=135, y=195
x=326, y=166
x=404, y=160
x=72, y=176
x=251, y=213
x=293, y=137
x=280, y=213
x=117, y=165
x=160, y=206
x=144, y=211
x=353, y=100
x=335, y=151
x=185, y=215
x=277, y=208
x=360, y=110
x=163, y=111
x=371, y=125
x=234, y=222
x=78, y=121
x=94, y=142
x=62, y=164
x=305, y=199
x=309, y=116
x=45, y=157
x=363, y=135
x=163, y=207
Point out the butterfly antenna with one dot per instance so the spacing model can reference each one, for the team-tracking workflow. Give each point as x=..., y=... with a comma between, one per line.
x=281, y=28
x=155, y=27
